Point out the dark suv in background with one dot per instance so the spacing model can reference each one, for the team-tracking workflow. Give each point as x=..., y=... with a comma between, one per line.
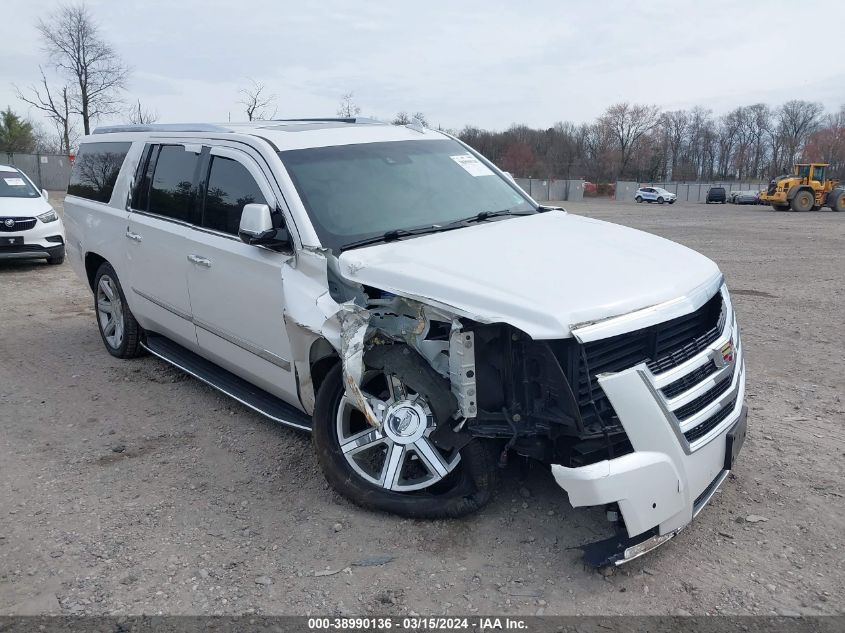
x=716, y=194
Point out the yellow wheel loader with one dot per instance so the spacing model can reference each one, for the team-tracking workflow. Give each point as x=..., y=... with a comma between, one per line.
x=804, y=190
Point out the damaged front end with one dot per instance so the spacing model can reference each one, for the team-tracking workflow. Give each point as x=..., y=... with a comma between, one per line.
x=532, y=396
x=645, y=422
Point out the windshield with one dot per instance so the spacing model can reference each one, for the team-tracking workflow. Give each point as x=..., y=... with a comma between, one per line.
x=353, y=192
x=13, y=184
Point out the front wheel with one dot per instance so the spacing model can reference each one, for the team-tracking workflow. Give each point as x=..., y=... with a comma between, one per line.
x=803, y=201
x=639, y=199
x=399, y=468
x=660, y=201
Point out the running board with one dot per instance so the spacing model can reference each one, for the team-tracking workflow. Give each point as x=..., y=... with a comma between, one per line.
x=225, y=381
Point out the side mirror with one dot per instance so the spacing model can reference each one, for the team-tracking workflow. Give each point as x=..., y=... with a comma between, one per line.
x=258, y=228
x=509, y=176
x=44, y=194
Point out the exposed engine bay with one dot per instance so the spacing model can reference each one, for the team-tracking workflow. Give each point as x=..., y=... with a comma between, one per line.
x=533, y=395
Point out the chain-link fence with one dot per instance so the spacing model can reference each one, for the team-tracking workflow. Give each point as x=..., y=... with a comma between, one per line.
x=48, y=171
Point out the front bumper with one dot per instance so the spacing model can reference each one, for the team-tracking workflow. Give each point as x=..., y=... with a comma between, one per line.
x=44, y=240
x=679, y=460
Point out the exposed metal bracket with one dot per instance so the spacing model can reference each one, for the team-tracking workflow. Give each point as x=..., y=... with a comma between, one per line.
x=462, y=370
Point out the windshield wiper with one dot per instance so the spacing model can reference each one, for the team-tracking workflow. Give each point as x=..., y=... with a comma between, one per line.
x=395, y=234
x=485, y=215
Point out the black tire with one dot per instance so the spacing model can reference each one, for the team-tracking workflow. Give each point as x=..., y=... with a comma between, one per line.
x=780, y=207
x=660, y=200
x=639, y=199
x=55, y=261
x=129, y=344
x=836, y=200
x=671, y=202
x=464, y=490
x=803, y=201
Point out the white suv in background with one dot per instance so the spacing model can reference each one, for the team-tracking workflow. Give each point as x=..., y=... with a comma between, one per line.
x=29, y=227
x=391, y=291
x=654, y=194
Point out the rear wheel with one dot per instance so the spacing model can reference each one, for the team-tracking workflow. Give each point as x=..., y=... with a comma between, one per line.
x=836, y=200
x=399, y=468
x=119, y=330
x=803, y=201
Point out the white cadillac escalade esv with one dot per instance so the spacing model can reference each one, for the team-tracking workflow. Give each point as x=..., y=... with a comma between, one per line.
x=391, y=291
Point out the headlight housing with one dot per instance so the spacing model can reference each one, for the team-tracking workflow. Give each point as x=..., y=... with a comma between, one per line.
x=49, y=216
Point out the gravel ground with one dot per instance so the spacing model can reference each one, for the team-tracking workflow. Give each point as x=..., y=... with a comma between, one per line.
x=129, y=488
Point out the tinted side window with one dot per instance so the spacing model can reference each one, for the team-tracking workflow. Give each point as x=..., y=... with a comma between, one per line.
x=95, y=170
x=141, y=193
x=172, y=187
x=230, y=187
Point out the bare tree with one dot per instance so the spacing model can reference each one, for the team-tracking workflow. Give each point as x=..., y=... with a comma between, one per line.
x=257, y=102
x=401, y=118
x=797, y=120
x=348, y=109
x=675, y=126
x=138, y=115
x=628, y=123
x=419, y=116
x=72, y=40
x=56, y=104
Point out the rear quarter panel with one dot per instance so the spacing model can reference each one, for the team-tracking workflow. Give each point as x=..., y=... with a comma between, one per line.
x=99, y=228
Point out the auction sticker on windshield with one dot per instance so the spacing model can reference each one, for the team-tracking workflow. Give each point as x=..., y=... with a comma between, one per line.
x=472, y=165
x=15, y=182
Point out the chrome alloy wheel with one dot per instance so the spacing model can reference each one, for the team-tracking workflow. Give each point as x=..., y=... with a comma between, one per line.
x=110, y=311
x=400, y=456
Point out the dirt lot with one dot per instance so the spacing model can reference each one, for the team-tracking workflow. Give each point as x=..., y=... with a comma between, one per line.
x=127, y=487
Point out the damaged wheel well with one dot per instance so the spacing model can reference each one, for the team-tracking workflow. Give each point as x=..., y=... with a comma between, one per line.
x=321, y=360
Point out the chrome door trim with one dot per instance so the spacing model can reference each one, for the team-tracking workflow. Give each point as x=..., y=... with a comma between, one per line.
x=164, y=305
x=267, y=355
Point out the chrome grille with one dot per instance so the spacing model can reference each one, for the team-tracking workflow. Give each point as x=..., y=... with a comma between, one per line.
x=701, y=402
x=18, y=224
x=702, y=429
x=689, y=381
x=662, y=347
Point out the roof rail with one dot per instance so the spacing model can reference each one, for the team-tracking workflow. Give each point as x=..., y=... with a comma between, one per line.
x=161, y=127
x=358, y=119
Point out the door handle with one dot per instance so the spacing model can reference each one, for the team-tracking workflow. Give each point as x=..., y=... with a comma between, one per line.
x=199, y=260
x=133, y=236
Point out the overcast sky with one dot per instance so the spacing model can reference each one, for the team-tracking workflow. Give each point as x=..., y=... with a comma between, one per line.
x=486, y=63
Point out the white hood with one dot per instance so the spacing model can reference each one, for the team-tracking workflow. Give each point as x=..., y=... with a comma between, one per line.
x=542, y=273
x=23, y=207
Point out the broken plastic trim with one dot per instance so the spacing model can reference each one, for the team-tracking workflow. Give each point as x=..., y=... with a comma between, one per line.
x=403, y=320
x=622, y=549
x=354, y=323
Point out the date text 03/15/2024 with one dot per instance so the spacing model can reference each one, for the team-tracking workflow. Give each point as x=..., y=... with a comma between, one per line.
x=410, y=623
